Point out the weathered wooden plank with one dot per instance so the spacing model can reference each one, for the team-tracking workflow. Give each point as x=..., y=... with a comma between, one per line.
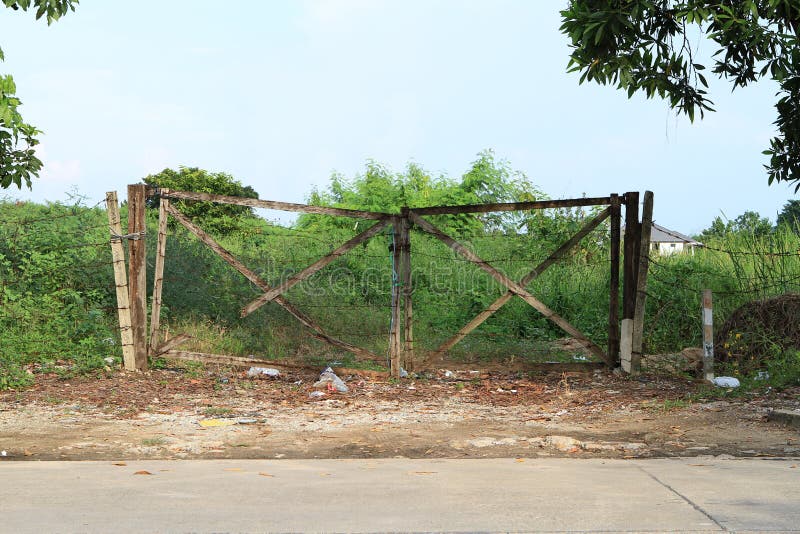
x=137, y=282
x=408, y=357
x=120, y=281
x=511, y=285
x=235, y=361
x=394, y=325
x=527, y=279
x=613, y=300
x=641, y=283
x=169, y=344
x=271, y=204
x=317, y=332
x=512, y=206
x=314, y=268
x=630, y=259
x=158, y=277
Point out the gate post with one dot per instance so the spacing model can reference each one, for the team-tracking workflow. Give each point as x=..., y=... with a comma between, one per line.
x=405, y=280
x=641, y=282
x=394, y=331
x=137, y=283
x=613, y=300
x=120, y=281
x=630, y=263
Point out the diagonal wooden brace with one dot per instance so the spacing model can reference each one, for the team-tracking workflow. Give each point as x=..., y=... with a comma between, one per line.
x=527, y=279
x=317, y=333
x=313, y=268
x=514, y=287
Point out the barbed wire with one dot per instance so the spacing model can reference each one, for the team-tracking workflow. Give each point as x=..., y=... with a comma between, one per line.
x=752, y=252
x=29, y=221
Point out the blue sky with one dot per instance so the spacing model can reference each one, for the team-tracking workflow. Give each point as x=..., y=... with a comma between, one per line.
x=281, y=93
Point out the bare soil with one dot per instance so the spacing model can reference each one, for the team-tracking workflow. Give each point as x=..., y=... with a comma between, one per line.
x=166, y=414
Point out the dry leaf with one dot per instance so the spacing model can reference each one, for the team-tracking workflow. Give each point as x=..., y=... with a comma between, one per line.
x=520, y=460
x=266, y=475
x=143, y=472
x=119, y=463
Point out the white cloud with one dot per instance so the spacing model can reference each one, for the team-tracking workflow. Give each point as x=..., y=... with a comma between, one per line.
x=59, y=171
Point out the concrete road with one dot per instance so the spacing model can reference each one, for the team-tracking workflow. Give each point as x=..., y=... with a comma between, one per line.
x=695, y=494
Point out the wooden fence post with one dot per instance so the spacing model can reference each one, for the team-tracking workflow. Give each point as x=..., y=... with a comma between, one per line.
x=394, y=331
x=630, y=259
x=630, y=262
x=708, y=336
x=158, y=277
x=641, y=282
x=137, y=282
x=405, y=280
x=613, y=300
x=121, y=281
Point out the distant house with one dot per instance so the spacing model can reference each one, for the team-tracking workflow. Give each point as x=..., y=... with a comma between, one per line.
x=665, y=241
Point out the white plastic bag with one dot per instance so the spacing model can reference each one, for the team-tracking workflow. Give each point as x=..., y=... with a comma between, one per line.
x=726, y=382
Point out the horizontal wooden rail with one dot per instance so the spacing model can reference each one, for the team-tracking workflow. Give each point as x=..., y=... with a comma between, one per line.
x=272, y=205
x=512, y=206
x=233, y=361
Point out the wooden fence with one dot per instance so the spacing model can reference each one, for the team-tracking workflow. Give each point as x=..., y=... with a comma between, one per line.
x=624, y=336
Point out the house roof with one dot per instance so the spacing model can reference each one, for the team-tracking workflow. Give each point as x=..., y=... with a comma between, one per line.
x=659, y=234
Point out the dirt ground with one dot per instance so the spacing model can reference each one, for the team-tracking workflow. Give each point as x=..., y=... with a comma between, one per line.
x=172, y=414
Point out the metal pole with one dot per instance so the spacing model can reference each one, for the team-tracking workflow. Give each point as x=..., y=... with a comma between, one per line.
x=708, y=336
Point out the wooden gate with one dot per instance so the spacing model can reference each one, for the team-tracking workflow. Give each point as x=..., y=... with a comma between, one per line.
x=402, y=353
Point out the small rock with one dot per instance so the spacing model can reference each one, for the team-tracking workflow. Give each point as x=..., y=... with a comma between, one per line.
x=316, y=394
x=630, y=447
x=246, y=421
x=592, y=446
x=563, y=443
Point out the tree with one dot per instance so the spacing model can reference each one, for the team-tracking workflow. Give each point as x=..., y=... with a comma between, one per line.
x=750, y=223
x=646, y=46
x=379, y=189
x=18, y=161
x=217, y=218
x=753, y=224
x=790, y=216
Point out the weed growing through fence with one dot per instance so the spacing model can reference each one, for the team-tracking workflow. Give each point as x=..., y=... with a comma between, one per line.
x=58, y=308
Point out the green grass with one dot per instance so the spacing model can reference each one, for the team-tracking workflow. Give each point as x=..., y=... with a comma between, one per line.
x=58, y=307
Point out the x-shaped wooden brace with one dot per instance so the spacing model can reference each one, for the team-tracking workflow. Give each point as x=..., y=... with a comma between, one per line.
x=515, y=288
x=317, y=332
x=371, y=232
